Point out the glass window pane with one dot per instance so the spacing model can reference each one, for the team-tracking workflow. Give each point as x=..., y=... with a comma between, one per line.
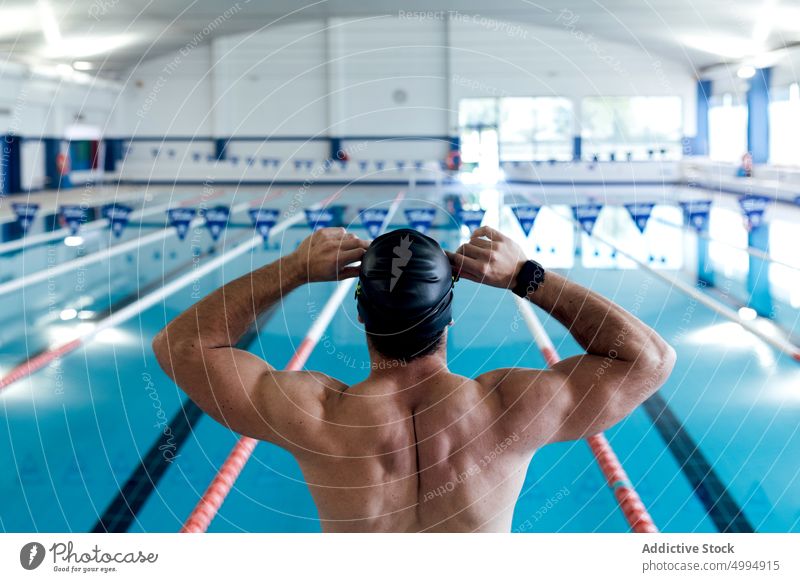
x=477, y=112
x=784, y=126
x=535, y=128
x=727, y=130
x=635, y=127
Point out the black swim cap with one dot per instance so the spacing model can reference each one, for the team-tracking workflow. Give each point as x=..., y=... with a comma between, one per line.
x=405, y=285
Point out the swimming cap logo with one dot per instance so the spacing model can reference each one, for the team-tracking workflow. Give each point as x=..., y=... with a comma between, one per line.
x=402, y=253
x=31, y=555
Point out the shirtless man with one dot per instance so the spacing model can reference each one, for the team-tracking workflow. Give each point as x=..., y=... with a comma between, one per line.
x=414, y=447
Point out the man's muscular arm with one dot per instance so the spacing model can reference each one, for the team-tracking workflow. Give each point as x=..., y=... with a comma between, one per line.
x=235, y=387
x=625, y=362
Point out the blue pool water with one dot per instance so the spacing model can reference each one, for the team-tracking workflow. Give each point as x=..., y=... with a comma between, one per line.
x=720, y=445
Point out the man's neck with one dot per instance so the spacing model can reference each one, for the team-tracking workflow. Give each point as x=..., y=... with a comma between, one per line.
x=401, y=377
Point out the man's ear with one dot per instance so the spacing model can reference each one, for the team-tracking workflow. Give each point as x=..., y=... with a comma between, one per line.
x=361, y=321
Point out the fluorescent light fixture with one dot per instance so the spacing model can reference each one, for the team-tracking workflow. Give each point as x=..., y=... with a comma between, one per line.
x=724, y=46
x=88, y=46
x=73, y=241
x=68, y=314
x=52, y=34
x=85, y=314
x=747, y=314
x=746, y=72
x=82, y=66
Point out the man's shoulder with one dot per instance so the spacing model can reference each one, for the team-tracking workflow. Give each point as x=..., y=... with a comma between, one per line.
x=506, y=376
x=512, y=383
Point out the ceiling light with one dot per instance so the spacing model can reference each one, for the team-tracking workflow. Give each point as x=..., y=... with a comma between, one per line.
x=82, y=66
x=729, y=47
x=746, y=72
x=83, y=47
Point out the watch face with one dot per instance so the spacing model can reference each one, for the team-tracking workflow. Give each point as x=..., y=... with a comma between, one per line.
x=538, y=273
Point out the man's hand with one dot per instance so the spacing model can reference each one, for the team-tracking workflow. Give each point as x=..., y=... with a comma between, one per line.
x=490, y=258
x=325, y=254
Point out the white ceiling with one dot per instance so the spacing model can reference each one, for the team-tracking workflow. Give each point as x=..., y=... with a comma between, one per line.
x=698, y=33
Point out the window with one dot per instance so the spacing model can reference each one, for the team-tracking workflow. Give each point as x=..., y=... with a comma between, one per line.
x=639, y=127
x=515, y=129
x=535, y=128
x=727, y=128
x=784, y=125
x=477, y=120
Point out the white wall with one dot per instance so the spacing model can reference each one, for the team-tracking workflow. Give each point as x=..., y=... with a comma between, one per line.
x=170, y=95
x=38, y=103
x=339, y=77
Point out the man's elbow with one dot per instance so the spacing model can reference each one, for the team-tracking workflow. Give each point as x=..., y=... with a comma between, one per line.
x=659, y=360
x=171, y=353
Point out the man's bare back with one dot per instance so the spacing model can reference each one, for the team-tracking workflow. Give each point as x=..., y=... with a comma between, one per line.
x=413, y=448
x=431, y=455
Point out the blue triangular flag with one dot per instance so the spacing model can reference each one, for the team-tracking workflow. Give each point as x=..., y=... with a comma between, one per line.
x=472, y=218
x=586, y=215
x=640, y=213
x=26, y=214
x=118, y=216
x=526, y=216
x=318, y=218
x=263, y=220
x=181, y=218
x=373, y=219
x=420, y=219
x=217, y=220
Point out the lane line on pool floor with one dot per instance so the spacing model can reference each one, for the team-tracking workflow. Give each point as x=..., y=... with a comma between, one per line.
x=719, y=504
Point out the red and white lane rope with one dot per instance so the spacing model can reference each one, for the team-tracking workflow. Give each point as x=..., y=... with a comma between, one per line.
x=145, y=302
x=214, y=496
x=629, y=501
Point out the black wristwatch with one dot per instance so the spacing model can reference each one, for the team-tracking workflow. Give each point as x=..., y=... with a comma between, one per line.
x=530, y=276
